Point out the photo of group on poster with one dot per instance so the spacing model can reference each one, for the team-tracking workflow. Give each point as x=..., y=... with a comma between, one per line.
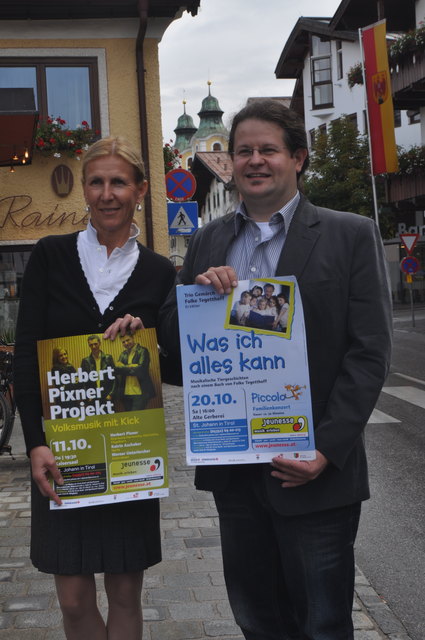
x=265, y=305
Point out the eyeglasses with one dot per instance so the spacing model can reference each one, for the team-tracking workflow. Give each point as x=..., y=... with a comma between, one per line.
x=264, y=152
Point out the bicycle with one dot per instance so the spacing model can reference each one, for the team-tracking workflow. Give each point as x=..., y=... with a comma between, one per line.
x=7, y=397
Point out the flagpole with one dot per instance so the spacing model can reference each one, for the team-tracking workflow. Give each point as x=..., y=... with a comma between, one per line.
x=375, y=199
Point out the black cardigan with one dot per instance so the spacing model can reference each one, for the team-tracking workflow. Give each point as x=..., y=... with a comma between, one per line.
x=56, y=301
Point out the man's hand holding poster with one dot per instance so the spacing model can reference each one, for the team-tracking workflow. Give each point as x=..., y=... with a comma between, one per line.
x=103, y=417
x=245, y=372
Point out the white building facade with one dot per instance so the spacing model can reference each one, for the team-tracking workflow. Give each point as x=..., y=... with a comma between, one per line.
x=319, y=53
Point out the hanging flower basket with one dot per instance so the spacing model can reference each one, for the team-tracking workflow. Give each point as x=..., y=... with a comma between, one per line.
x=411, y=42
x=355, y=75
x=171, y=157
x=54, y=139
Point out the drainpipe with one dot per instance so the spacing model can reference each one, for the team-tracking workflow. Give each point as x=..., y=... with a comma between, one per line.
x=143, y=8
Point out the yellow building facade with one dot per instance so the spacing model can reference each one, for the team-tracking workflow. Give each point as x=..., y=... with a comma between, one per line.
x=121, y=57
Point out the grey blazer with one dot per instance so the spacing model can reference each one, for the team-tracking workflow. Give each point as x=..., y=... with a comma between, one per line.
x=339, y=263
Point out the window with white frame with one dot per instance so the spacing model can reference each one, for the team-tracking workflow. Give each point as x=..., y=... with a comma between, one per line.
x=321, y=72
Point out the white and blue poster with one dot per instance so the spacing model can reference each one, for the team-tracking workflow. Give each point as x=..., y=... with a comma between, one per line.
x=245, y=373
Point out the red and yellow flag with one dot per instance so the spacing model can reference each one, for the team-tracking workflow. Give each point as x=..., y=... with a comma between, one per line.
x=379, y=99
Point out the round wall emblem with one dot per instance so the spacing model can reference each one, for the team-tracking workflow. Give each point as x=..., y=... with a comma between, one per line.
x=62, y=180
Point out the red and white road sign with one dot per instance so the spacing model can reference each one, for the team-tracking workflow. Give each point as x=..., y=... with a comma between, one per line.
x=409, y=241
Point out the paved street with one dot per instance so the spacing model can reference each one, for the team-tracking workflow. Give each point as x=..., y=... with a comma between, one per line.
x=390, y=545
x=184, y=596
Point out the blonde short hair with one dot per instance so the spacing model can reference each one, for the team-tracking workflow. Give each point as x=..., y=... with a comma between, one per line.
x=115, y=146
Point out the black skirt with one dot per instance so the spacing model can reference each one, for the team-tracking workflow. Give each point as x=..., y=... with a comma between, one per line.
x=114, y=538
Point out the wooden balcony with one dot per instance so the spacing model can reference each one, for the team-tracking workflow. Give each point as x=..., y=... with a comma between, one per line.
x=407, y=187
x=408, y=81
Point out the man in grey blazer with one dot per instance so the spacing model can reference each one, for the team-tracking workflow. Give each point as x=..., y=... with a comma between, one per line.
x=288, y=529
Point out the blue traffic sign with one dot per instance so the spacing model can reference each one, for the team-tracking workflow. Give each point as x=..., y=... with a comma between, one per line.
x=180, y=185
x=182, y=218
x=410, y=264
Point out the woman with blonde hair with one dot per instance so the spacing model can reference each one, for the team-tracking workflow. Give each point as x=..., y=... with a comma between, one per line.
x=78, y=284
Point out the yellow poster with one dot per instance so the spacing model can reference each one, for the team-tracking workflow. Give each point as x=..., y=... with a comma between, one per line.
x=103, y=417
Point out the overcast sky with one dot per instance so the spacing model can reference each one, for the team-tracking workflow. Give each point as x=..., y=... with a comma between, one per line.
x=235, y=44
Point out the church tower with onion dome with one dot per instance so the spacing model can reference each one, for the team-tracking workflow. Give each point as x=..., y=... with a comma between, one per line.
x=203, y=151
x=211, y=135
x=184, y=131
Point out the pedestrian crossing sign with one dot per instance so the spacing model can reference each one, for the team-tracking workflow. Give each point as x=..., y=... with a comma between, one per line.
x=182, y=218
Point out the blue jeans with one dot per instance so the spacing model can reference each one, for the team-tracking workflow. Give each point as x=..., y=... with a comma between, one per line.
x=287, y=577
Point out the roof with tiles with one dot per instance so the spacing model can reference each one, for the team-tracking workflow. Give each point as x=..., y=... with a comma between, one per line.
x=218, y=163
x=208, y=165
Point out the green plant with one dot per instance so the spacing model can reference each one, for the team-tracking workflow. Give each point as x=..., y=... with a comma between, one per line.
x=53, y=138
x=339, y=169
x=411, y=160
x=410, y=42
x=171, y=157
x=339, y=174
x=355, y=75
x=7, y=336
